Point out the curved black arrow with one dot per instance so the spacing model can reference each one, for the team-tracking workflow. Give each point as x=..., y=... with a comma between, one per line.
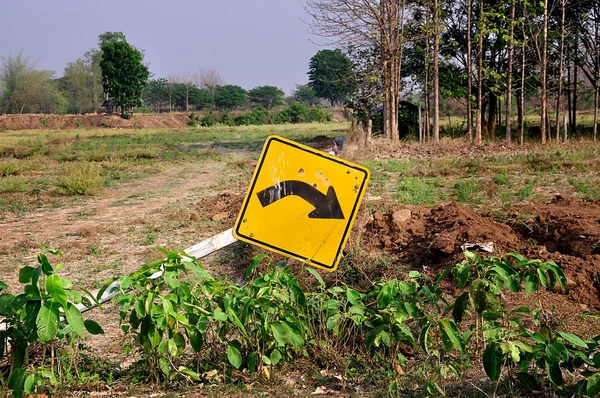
x=326, y=206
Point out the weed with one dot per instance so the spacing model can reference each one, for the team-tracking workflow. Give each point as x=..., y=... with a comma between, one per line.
x=468, y=191
x=79, y=179
x=150, y=236
x=524, y=192
x=10, y=167
x=414, y=190
x=78, y=124
x=501, y=179
x=44, y=122
x=13, y=184
x=584, y=188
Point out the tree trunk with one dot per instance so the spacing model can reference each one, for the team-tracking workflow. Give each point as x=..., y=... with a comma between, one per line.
x=491, y=122
x=426, y=91
x=565, y=129
x=560, y=70
x=596, y=73
x=479, y=121
x=509, y=71
x=368, y=130
x=568, y=90
x=436, y=70
x=575, y=87
x=522, y=93
x=544, y=60
x=469, y=77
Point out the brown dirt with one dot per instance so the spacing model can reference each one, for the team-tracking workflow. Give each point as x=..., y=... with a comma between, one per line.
x=565, y=231
x=67, y=122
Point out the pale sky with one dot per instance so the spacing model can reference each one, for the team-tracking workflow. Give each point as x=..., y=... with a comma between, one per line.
x=250, y=42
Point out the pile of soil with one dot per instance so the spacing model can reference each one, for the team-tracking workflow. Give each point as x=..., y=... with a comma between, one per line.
x=426, y=236
x=68, y=122
x=224, y=207
x=565, y=231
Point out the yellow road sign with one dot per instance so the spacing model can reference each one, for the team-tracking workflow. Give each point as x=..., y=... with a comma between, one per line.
x=301, y=203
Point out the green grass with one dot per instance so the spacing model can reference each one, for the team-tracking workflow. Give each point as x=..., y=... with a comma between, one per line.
x=587, y=189
x=468, y=191
x=13, y=184
x=419, y=191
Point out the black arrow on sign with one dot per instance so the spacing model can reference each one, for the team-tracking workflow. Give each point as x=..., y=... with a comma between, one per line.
x=326, y=206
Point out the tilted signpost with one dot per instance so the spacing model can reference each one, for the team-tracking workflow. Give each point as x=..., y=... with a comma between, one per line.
x=301, y=203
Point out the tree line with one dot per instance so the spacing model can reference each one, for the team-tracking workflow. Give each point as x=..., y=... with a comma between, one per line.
x=492, y=57
x=115, y=72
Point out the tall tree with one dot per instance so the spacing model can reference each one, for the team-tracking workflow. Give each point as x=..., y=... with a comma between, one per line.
x=509, y=71
x=230, y=97
x=305, y=94
x=188, y=80
x=267, y=96
x=436, y=71
x=330, y=75
x=124, y=75
x=469, y=73
x=560, y=68
x=211, y=79
x=479, y=117
x=367, y=23
x=25, y=89
x=544, y=80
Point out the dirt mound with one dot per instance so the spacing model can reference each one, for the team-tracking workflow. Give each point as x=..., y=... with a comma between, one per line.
x=224, y=208
x=423, y=236
x=565, y=231
x=67, y=122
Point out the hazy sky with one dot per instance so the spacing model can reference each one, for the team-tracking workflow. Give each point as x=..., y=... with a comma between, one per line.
x=250, y=42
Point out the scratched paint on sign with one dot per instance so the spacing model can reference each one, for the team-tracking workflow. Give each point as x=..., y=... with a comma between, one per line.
x=301, y=203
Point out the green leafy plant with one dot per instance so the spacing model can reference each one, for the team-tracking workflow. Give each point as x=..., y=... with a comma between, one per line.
x=45, y=312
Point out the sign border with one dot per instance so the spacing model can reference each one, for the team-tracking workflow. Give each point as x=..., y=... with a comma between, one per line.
x=327, y=267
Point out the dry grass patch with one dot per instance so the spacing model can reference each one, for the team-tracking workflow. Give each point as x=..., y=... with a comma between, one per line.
x=79, y=179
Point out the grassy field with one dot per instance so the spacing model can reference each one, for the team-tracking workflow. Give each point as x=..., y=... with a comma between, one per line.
x=107, y=198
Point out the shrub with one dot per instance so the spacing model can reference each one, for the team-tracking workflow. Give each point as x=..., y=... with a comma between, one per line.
x=256, y=116
x=208, y=120
x=79, y=179
x=10, y=168
x=13, y=184
x=194, y=120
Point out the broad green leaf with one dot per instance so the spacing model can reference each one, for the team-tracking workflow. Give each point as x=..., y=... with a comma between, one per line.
x=543, y=278
x=514, y=353
x=188, y=372
x=275, y=357
x=54, y=287
x=234, y=356
x=16, y=382
x=195, y=338
x=531, y=284
x=266, y=360
x=74, y=319
x=254, y=263
x=449, y=329
x=220, y=315
x=317, y=276
x=284, y=334
x=198, y=270
x=459, y=307
x=25, y=274
x=492, y=361
x=593, y=385
x=252, y=362
x=571, y=338
x=353, y=296
x=47, y=321
x=557, y=353
x=387, y=294
x=93, y=327
x=164, y=365
x=29, y=384
x=555, y=374
x=234, y=318
x=171, y=278
x=46, y=267
x=4, y=285
x=406, y=288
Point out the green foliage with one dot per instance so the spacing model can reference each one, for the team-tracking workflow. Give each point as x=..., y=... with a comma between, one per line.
x=266, y=96
x=230, y=97
x=45, y=312
x=306, y=95
x=331, y=76
x=79, y=178
x=414, y=190
x=124, y=74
